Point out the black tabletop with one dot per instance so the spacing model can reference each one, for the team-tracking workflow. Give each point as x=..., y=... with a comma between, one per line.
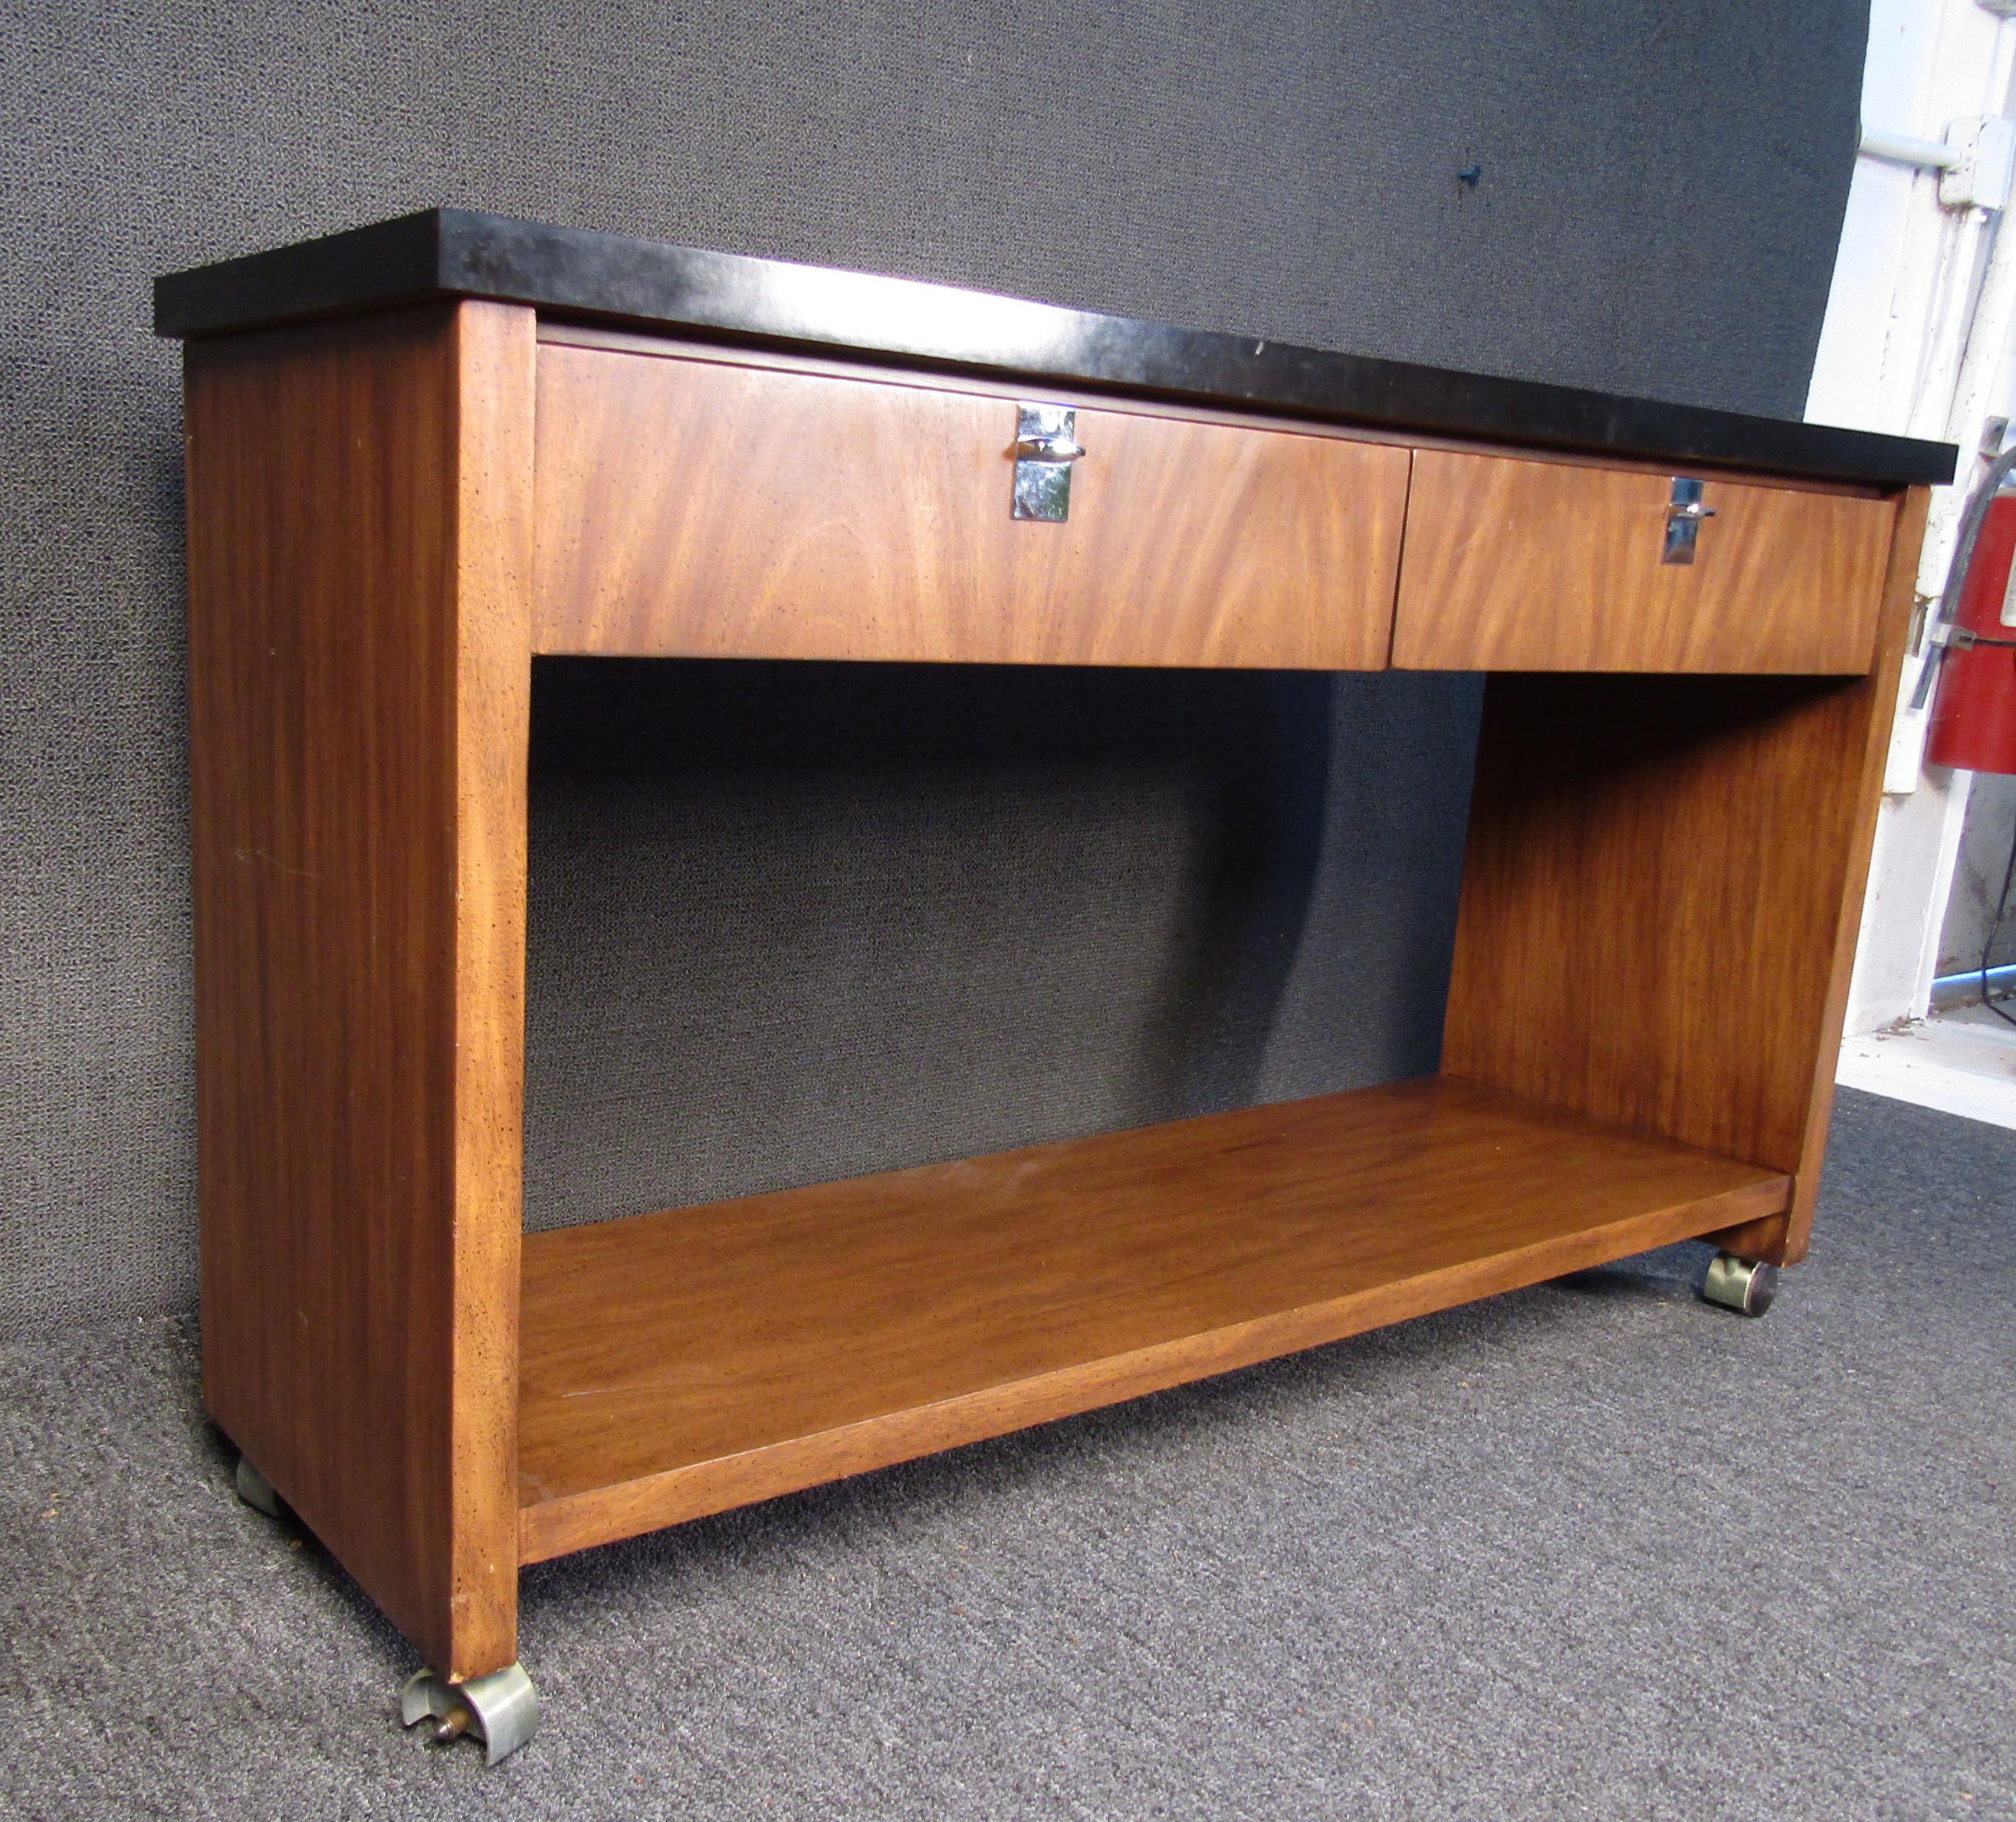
x=573, y=273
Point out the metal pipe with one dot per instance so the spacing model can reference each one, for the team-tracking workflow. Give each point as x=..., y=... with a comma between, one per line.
x=1901, y=148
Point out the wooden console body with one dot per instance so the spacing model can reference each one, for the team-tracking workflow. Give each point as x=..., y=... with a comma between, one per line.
x=408, y=476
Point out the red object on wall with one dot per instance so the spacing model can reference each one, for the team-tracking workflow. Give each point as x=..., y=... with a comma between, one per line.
x=1974, y=716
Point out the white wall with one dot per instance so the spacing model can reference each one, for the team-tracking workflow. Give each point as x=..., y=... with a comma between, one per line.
x=1895, y=356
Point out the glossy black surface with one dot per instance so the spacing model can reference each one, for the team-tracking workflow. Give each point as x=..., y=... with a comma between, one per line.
x=571, y=271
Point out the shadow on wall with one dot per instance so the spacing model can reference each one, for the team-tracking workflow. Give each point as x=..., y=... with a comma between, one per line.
x=790, y=922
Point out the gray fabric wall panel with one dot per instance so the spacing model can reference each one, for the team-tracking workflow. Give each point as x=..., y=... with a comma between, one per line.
x=791, y=922
x=1656, y=210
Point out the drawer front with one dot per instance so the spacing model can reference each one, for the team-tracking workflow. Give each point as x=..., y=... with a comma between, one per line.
x=709, y=509
x=1514, y=565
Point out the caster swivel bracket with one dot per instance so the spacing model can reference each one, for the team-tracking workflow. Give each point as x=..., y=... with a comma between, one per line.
x=502, y=1710
x=256, y=1491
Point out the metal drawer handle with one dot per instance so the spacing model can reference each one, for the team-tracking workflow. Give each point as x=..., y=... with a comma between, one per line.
x=1046, y=445
x=1059, y=448
x=1684, y=513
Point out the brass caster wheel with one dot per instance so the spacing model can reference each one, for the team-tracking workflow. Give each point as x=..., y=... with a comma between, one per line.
x=1743, y=1285
x=502, y=1710
x=256, y=1491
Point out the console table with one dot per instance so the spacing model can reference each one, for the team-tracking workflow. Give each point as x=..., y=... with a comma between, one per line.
x=422, y=452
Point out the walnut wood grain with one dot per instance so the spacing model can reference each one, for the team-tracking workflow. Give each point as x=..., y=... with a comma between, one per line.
x=1660, y=894
x=681, y=1364
x=1514, y=565
x=701, y=508
x=1869, y=708
x=359, y=669
x=1657, y=915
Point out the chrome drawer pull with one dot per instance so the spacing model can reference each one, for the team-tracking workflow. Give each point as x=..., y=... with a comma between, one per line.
x=1683, y=517
x=1046, y=446
x=1059, y=448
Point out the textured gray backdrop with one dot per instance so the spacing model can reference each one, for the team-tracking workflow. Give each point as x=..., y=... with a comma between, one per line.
x=786, y=925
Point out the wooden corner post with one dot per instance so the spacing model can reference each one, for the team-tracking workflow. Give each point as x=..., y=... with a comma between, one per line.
x=360, y=520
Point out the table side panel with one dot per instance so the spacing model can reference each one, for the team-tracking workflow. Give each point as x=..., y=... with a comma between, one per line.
x=702, y=509
x=1869, y=711
x=359, y=552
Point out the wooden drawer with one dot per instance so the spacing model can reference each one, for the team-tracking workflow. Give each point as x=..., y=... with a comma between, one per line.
x=1517, y=565
x=714, y=508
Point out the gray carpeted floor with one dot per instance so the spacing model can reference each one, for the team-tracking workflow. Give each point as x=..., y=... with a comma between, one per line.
x=1594, y=1549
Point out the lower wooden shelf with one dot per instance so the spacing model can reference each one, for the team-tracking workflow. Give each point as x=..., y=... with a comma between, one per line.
x=679, y=1364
